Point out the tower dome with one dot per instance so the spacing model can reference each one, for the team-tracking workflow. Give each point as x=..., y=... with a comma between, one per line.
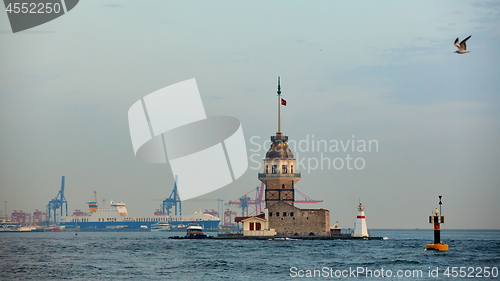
x=279, y=148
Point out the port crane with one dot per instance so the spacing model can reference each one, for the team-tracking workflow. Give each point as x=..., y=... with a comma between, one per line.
x=253, y=207
x=172, y=201
x=57, y=203
x=250, y=206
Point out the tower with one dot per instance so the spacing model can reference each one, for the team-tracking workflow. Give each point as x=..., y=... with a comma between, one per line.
x=279, y=176
x=360, y=230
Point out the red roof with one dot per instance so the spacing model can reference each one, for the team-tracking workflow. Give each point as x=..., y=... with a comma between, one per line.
x=238, y=219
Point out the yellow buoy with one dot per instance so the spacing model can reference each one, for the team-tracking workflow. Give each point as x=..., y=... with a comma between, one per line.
x=437, y=220
x=437, y=247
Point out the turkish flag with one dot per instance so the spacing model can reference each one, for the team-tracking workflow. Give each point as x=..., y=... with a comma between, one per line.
x=283, y=102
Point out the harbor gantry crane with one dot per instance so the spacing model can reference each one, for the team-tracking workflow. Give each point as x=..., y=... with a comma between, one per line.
x=251, y=207
x=38, y=218
x=248, y=206
x=57, y=203
x=172, y=201
x=229, y=217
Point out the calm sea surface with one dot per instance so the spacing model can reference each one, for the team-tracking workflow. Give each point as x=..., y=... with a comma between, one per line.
x=152, y=256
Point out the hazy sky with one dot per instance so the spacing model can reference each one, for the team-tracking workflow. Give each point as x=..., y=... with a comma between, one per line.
x=378, y=70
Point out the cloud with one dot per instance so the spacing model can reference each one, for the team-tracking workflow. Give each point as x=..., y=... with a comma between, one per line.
x=112, y=6
x=407, y=53
x=213, y=98
x=488, y=5
x=253, y=89
x=489, y=17
x=442, y=28
x=304, y=42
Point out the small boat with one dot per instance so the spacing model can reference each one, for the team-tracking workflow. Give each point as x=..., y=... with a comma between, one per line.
x=51, y=229
x=161, y=226
x=195, y=231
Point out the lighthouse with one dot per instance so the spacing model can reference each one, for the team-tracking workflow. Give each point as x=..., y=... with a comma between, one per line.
x=437, y=220
x=360, y=229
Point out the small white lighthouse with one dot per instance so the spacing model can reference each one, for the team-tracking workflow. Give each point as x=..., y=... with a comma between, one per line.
x=360, y=226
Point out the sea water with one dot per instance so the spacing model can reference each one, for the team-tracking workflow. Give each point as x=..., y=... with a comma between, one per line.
x=152, y=256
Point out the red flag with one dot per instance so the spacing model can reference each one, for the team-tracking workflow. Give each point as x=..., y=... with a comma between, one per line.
x=283, y=102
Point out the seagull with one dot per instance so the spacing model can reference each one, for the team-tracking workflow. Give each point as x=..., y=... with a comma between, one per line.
x=462, y=47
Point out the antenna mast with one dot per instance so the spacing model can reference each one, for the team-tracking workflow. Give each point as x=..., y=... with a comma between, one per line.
x=279, y=106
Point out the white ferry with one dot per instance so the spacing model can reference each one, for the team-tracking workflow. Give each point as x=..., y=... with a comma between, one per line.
x=161, y=226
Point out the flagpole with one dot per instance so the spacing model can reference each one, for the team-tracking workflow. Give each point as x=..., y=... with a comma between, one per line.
x=279, y=106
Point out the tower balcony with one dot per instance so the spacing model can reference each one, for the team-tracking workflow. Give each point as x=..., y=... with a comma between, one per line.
x=279, y=137
x=279, y=175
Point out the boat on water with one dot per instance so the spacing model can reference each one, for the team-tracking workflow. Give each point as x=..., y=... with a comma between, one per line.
x=161, y=226
x=193, y=231
x=116, y=217
x=51, y=229
x=206, y=221
x=13, y=226
x=7, y=225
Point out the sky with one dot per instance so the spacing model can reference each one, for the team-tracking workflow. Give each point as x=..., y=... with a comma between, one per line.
x=364, y=70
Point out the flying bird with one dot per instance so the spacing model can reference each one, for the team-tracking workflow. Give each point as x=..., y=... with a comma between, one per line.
x=462, y=47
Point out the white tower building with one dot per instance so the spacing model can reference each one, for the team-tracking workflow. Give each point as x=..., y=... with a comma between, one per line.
x=360, y=229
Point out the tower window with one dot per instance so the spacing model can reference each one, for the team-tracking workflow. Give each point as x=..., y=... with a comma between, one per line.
x=291, y=214
x=284, y=214
x=284, y=168
x=283, y=186
x=277, y=214
x=291, y=170
x=270, y=214
x=267, y=169
x=275, y=169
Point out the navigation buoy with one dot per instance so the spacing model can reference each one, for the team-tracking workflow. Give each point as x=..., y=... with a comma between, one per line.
x=437, y=220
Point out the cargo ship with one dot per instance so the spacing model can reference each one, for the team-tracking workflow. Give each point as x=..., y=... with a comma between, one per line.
x=116, y=217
